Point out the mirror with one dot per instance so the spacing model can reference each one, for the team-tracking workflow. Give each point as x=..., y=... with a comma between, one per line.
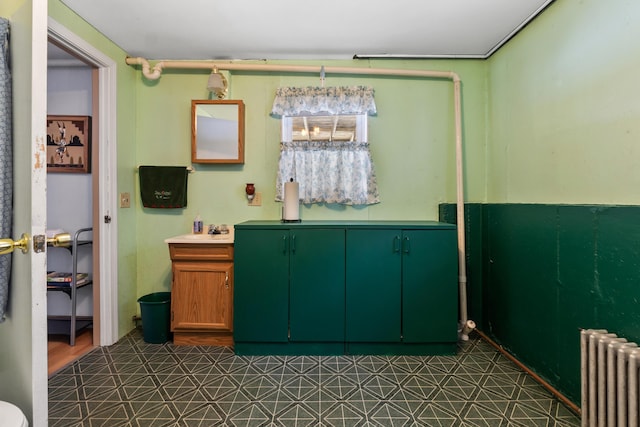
x=217, y=131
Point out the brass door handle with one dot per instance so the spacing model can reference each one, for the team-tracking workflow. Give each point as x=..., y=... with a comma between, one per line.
x=9, y=245
x=61, y=240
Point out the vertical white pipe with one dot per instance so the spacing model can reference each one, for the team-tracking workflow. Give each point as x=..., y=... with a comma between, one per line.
x=601, y=376
x=602, y=381
x=621, y=389
x=462, y=266
x=584, y=367
x=610, y=362
x=623, y=352
x=612, y=379
x=632, y=378
x=592, y=403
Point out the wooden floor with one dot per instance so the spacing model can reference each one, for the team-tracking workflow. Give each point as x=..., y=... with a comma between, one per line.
x=60, y=353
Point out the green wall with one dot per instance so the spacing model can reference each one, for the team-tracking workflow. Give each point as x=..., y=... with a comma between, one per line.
x=563, y=107
x=412, y=143
x=127, y=79
x=538, y=273
x=554, y=247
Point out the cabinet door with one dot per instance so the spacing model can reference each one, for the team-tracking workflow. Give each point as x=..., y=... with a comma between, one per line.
x=201, y=297
x=373, y=292
x=261, y=294
x=430, y=286
x=317, y=285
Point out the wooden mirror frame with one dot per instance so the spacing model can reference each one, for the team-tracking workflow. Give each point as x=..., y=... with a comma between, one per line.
x=221, y=139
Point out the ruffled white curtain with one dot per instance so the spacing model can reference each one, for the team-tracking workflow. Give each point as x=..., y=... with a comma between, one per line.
x=315, y=101
x=327, y=171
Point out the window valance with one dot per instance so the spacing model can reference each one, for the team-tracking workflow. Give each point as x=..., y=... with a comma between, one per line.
x=310, y=101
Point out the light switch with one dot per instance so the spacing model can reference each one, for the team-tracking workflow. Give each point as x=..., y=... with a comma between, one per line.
x=125, y=200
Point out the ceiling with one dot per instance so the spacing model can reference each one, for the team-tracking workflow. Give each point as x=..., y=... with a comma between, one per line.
x=295, y=29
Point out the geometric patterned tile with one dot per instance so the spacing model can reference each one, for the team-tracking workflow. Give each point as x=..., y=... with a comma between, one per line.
x=380, y=386
x=343, y=415
x=339, y=386
x=388, y=414
x=528, y=416
x=298, y=415
x=434, y=415
x=133, y=383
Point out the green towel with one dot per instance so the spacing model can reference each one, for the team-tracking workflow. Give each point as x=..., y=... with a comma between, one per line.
x=163, y=186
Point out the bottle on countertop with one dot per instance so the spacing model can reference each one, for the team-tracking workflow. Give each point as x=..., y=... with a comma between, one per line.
x=197, y=225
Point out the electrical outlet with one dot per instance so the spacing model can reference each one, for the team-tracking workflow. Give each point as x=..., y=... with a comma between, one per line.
x=257, y=199
x=125, y=200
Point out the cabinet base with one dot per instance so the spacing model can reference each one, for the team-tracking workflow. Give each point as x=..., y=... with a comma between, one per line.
x=404, y=349
x=336, y=349
x=203, y=338
x=288, y=349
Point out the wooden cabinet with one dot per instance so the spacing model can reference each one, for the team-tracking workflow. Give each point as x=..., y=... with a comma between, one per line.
x=202, y=293
x=355, y=288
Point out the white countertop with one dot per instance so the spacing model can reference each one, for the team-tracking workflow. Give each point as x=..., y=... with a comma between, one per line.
x=206, y=239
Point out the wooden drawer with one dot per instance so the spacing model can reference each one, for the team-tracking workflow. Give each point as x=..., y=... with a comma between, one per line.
x=200, y=252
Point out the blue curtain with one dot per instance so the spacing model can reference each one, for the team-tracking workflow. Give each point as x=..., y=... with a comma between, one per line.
x=6, y=163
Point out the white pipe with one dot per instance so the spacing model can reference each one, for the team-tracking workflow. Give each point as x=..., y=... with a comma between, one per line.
x=462, y=265
x=465, y=324
x=312, y=69
x=584, y=376
x=633, y=397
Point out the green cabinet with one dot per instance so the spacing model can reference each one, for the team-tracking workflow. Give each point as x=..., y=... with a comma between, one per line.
x=373, y=290
x=429, y=286
x=261, y=294
x=401, y=286
x=356, y=288
x=289, y=285
x=316, y=288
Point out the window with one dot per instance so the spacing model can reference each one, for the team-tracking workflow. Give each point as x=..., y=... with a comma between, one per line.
x=350, y=127
x=324, y=145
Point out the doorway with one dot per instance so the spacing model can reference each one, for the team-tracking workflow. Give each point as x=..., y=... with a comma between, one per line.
x=72, y=148
x=101, y=182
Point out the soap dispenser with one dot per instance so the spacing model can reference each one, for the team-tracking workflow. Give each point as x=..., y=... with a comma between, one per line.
x=197, y=225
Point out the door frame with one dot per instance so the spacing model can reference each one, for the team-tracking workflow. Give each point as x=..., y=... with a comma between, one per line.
x=107, y=177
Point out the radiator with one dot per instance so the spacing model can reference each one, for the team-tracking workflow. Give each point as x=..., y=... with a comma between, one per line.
x=609, y=370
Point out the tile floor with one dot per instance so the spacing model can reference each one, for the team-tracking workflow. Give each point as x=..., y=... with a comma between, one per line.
x=133, y=383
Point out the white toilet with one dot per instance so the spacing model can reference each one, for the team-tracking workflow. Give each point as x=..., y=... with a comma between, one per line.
x=12, y=416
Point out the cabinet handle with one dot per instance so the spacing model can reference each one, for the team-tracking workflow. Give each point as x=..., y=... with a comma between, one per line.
x=284, y=244
x=293, y=243
x=226, y=280
x=396, y=244
x=405, y=245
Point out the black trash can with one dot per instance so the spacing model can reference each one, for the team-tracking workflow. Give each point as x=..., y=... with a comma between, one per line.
x=155, y=310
